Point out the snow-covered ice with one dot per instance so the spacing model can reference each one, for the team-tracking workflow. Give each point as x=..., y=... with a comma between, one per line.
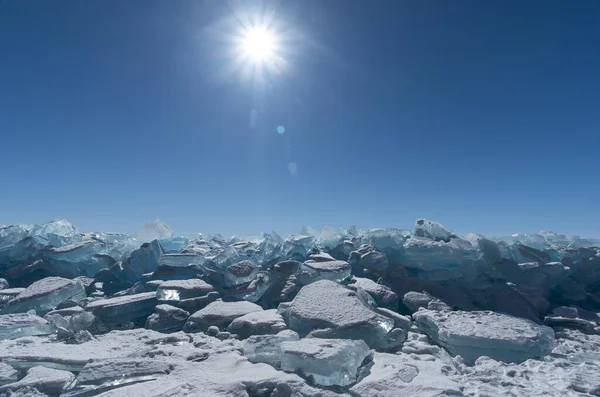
x=257, y=323
x=475, y=334
x=326, y=305
x=220, y=314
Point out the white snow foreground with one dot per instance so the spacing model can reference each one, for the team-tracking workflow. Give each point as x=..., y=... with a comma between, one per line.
x=141, y=362
x=150, y=364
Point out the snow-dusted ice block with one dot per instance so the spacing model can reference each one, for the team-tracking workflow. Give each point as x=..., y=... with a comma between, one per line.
x=240, y=273
x=404, y=375
x=122, y=309
x=220, y=314
x=382, y=294
x=167, y=319
x=44, y=295
x=339, y=311
x=331, y=362
x=267, y=348
x=21, y=324
x=433, y=230
x=311, y=271
x=257, y=323
x=176, y=290
x=46, y=380
x=475, y=334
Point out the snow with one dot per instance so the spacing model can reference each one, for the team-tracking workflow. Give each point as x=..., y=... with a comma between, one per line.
x=330, y=362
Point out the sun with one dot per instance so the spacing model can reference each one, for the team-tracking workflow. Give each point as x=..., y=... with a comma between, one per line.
x=259, y=44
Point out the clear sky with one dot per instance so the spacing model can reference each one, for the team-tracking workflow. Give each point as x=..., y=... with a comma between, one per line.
x=482, y=115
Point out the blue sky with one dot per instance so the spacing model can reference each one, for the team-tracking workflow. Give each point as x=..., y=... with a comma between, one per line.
x=482, y=115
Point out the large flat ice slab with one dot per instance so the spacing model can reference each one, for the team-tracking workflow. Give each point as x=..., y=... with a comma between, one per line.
x=311, y=271
x=44, y=295
x=475, y=334
x=330, y=362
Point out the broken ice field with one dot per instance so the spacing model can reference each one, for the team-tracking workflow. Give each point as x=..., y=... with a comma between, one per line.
x=330, y=313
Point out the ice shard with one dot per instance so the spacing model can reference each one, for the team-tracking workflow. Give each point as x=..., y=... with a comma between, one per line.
x=267, y=348
x=44, y=295
x=330, y=362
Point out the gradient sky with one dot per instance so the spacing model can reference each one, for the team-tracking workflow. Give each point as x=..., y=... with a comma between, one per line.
x=482, y=115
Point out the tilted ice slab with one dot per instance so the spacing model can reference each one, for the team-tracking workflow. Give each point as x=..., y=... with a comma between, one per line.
x=475, y=334
x=311, y=271
x=44, y=295
x=175, y=290
x=21, y=324
x=122, y=309
x=330, y=362
x=338, y=311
